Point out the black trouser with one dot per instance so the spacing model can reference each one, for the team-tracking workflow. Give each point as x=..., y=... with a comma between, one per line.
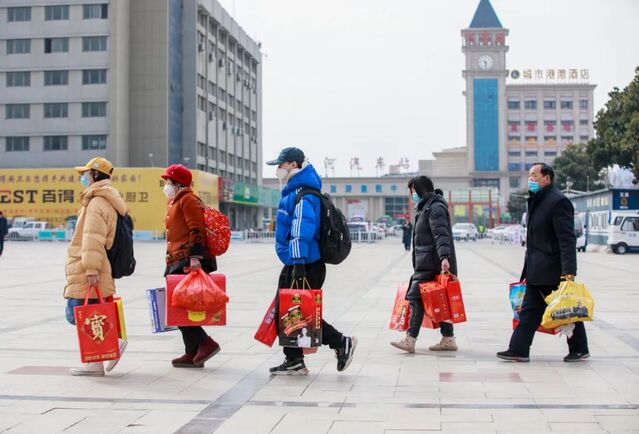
x=532, y=311
x=315, y=274
x=1, y=244
x=417, y=316
x=407, y=244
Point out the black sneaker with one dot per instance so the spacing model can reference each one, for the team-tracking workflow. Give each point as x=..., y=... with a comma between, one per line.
x=512, y=357
x=344, y=354
x=576, y=357
x=290, y=367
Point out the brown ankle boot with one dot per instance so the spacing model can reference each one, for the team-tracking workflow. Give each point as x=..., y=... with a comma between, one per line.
x=186, y=361
x=206, y=350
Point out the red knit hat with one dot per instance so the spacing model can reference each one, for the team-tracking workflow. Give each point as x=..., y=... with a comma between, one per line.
x=179, y=174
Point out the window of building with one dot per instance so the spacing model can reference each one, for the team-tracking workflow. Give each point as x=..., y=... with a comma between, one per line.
x=514, y=139
x=515, y=182
x=550, y=139
x=201, y=82
x=212, y=88
x=530, y=153
x=56, y=45
x=378, y=188
x=364, y=188
x=567, y=139
x=528, y=166
x=333, y=188
x=55, y=143
x=348, y=188
x=395, y=206
x=583, y=104
x=550, y=104
x=530, y=104
x=531, y=139
x=513, y=126
x=201, y=149
x=94, y=43
x=94, y=142
x=17, y=144
x=531, y=125
x=56, y=78
x=212, y=111
x=487, y=182
x=550, y=125
x=93, y=109
x=56, y=110
x=566, y=105
x=514, y=153
x=567, y=125
x=96, y=11
x=17, y=111
x=583, y=122
x=201, y=103
x=584, y=139
x=19, y=14
x=550, y=153
x=94, y=76
x=58, y=12
x=18, y=46
x=513, y=105
x=18, y=79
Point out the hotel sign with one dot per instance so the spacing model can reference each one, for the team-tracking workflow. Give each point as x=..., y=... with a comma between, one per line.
x=551, y=75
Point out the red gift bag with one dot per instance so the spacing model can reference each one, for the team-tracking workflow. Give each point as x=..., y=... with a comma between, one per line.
x=267, y=331
x=97, y=327
x=198, y=292
x=454, y=295
x=300, y=317
x=435, y=301
x=401, y=310
x=176, y=316
x=400, y=316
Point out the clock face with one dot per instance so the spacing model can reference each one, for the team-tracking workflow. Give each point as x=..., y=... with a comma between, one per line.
x=485, y=62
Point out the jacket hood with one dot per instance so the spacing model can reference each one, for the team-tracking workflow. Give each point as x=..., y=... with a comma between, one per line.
x=105, y=190
x=307, y=177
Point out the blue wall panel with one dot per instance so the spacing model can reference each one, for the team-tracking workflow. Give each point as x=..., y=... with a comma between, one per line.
x=486, y=124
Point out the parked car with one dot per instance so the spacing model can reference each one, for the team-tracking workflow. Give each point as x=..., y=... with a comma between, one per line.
x=29, y=231
x=623, y=233
x=497, y=232
x=465, y=231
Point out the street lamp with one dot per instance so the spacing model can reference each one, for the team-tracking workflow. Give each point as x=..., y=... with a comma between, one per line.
x=151, y=158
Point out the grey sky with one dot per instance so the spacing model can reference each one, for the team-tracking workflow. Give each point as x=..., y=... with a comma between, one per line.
x=371, y=78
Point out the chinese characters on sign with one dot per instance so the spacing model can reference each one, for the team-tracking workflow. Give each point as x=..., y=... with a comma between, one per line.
x=96, y=323
x=572, y=75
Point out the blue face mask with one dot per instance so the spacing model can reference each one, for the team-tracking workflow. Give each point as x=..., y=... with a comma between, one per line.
x=84, y=180
x=533, y=186
x=416, y=197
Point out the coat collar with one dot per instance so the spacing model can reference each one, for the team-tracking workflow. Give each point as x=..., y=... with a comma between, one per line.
x=181, y=194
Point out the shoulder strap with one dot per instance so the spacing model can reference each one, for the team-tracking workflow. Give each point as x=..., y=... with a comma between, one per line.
x=307, y=190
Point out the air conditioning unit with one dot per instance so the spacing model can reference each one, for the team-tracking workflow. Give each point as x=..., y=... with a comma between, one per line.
x=224, y=126
x=220, y=63
x=200, y=47
x=238, y=77
x=211, y=57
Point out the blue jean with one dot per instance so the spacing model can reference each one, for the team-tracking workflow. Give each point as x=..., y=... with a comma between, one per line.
x=73, y=302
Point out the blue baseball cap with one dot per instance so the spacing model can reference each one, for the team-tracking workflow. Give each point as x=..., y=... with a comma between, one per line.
x=287, y=155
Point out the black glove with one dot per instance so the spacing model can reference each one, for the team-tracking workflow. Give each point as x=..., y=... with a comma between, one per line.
x=299, y=273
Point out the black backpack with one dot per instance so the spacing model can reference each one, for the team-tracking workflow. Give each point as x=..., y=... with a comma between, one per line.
x=335, y=239
x=121, y=253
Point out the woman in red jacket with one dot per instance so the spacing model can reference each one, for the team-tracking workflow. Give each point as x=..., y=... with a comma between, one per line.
x=186, y=250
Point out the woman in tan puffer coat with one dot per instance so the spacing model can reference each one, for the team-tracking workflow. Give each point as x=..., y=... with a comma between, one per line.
x=87, y=262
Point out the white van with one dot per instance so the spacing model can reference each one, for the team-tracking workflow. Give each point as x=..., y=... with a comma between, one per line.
x=623, y=232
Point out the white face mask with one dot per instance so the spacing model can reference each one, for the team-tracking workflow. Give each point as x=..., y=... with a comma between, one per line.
x=281, y=173
x=169, y=190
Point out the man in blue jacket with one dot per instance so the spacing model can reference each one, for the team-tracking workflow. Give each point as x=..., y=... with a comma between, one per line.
x=297, y=233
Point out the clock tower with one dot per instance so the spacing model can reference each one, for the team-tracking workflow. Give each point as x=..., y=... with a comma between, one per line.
x=484, y=45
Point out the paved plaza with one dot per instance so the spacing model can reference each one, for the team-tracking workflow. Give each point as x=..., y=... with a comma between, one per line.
x=384, y=390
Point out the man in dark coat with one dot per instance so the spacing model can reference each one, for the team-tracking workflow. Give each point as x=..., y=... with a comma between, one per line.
x=4, y=230
x=433, y=253
x=551, y=256
x=407, y=235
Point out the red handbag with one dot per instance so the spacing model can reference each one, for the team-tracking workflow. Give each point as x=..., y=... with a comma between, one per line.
x=300, y=317
x=176, y=316
x=97, y=328
x=454, y=296
x=267, y=331
x=435, y=301
x=400, y=316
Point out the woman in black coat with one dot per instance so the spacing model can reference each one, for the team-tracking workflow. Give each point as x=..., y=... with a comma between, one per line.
x=433, y=253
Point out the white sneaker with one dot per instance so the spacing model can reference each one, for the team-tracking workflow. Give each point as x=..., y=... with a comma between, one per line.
x=95, y=369
x=112, y=363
